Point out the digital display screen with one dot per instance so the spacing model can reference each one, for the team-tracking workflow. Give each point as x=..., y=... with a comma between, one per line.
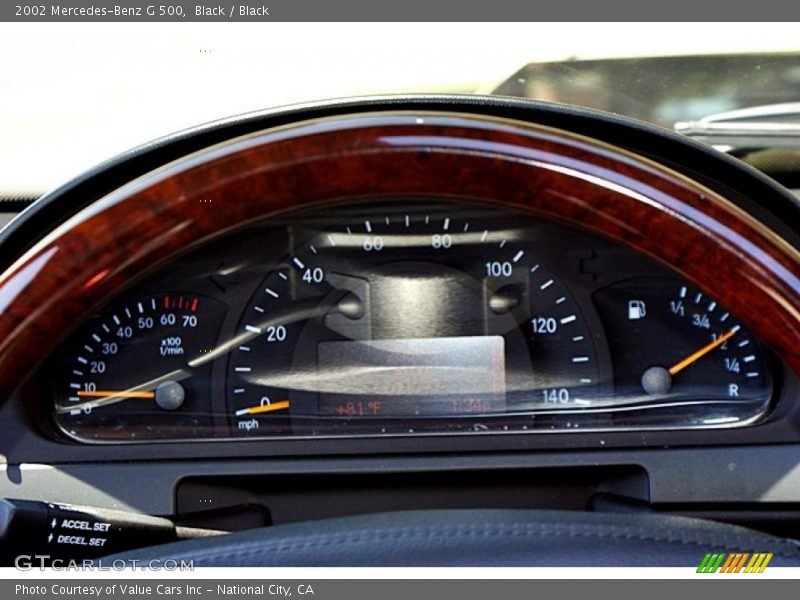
x=412, y=377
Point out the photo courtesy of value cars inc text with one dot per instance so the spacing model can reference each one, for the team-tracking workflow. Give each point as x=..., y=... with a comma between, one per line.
x=173, y=590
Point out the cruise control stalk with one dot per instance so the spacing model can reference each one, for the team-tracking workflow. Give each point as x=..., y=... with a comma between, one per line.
x=66, y=531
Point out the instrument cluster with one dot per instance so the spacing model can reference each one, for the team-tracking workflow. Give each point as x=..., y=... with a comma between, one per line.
x=407, y=317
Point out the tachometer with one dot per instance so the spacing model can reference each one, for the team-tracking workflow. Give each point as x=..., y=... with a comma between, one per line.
x=405, y=322
x=126, y=374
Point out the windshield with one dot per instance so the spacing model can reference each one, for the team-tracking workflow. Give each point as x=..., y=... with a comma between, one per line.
x=76, y=94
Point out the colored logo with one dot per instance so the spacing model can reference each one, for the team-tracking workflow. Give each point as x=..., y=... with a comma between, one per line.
x=735, y=562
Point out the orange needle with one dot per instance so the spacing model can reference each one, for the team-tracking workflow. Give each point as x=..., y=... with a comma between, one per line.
x=702, y=352
x=118, y=394
x=257, y=410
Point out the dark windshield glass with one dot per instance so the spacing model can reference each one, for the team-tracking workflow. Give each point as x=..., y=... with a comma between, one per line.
x=662, y=90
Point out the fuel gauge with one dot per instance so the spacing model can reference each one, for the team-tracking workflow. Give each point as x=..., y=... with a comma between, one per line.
x=674, y=346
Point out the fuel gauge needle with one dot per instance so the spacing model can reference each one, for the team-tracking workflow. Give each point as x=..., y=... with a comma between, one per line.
x=266, y=408
x=695, y=356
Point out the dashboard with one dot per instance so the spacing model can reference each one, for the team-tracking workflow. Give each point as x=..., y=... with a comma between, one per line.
x=407, y=318
x=475, y=302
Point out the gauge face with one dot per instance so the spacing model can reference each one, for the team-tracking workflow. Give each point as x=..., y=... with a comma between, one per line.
x=406, y=322
x=672, y=344
x=126, y=374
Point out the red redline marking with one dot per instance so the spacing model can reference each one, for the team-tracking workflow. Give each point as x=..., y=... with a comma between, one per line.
x=194, y=304
x=166, y=301
x=180, y=302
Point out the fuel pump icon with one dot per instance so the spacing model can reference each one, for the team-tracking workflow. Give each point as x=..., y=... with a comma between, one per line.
x=637, y=309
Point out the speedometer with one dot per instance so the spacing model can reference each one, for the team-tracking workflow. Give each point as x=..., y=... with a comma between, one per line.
x=407, y=321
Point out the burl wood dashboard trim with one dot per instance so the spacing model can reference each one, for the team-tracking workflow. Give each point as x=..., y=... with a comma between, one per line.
x=551, y=173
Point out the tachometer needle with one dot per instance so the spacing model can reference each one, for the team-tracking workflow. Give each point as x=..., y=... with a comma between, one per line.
x=266, y=408
x=116, y=394
x=695, y=356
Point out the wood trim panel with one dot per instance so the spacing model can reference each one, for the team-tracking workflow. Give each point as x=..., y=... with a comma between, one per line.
x=551, y=173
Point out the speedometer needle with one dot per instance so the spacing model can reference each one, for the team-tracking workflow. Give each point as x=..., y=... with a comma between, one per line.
x=257, y=410
x=116, y=394
x=695, y=356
